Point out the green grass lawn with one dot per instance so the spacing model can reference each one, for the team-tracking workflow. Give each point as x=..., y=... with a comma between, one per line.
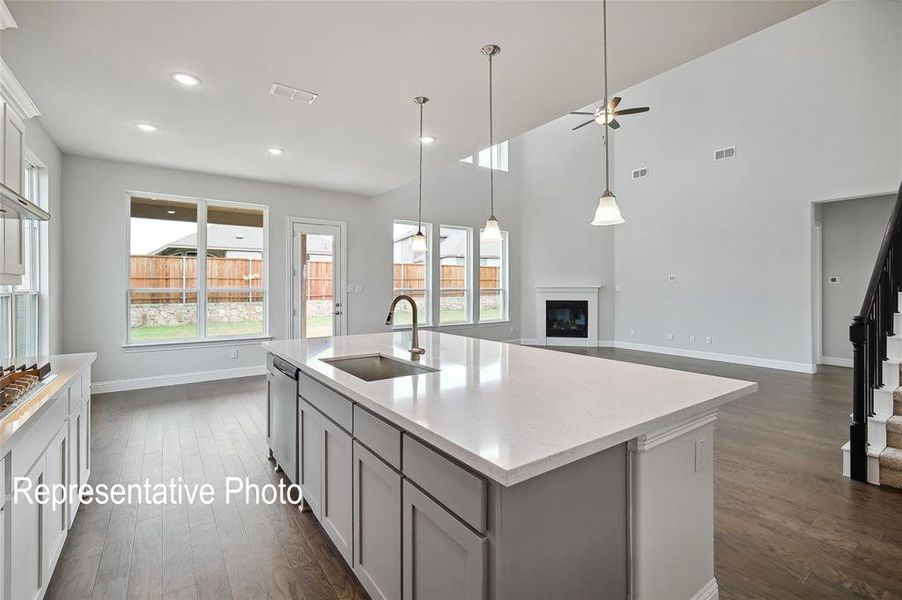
x=316, y=326
x=181, y=332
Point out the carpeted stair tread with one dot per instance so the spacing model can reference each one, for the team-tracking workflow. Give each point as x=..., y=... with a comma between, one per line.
x=897, y=401
x=891, y=458
x=894, y=432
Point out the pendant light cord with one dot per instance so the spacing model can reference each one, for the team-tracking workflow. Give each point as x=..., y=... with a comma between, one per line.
x=491, y=146
x=420, y=189
x=607, y=117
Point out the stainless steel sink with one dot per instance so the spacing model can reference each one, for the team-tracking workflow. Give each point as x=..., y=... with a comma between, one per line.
x=373, y=367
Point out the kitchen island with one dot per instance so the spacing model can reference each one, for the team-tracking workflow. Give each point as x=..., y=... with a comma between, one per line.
x=501, y=471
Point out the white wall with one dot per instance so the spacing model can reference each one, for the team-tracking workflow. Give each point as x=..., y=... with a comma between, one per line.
x=851, y=231
x=562, y=177
x=50, y=314
x=813, y=107
x=94, y=260
x=457, y=194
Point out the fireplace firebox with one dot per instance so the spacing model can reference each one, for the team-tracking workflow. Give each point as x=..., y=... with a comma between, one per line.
x=567, y=318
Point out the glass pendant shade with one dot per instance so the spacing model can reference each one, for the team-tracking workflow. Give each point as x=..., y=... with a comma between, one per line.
x=418, y=242
x=491, y=233
x=607, y=213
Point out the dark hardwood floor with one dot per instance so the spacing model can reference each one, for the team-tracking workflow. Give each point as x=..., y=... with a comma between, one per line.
x=787, y=524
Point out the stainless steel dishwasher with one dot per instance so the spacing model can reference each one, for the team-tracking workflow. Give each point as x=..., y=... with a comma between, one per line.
x=282, y=417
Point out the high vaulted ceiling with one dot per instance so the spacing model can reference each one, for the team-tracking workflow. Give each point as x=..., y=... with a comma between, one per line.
x=96, y=69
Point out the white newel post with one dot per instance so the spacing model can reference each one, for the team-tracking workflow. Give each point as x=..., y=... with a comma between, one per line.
x=672, y=512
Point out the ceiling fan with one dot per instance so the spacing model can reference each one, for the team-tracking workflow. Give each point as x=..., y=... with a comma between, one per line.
x=610, y=114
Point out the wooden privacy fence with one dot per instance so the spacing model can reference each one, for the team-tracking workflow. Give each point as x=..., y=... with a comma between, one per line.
x=180, y=272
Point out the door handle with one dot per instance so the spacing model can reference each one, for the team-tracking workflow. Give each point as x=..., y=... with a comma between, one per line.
x=337, y=312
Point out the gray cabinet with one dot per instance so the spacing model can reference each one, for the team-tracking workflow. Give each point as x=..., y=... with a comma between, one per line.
x=337, y=466
x=377, y=525
x=443, y=558
x=310, y=435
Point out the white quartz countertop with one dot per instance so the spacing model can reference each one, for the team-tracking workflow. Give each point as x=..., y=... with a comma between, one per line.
x=18, y=421
x=513, y=412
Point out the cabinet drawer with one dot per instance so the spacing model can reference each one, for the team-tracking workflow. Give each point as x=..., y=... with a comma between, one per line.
x=463, y=492
x=32, y=445
x=379, y=436
x=331, y=404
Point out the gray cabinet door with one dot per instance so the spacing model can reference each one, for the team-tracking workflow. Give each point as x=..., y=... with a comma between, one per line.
x=377, y=525
x=337, y=467
x=443, y=558
x=310, y=435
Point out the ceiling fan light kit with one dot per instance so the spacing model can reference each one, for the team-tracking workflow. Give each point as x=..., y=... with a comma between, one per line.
x=418, y=243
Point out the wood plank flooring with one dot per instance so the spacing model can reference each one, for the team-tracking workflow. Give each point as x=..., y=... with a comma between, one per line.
x=787, y=524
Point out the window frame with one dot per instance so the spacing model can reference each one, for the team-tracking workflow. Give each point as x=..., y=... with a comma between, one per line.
x=201, y=291
x=504, y=279
x=500, y=152
x=468, y=278
x=427, y=276
x=35, y=190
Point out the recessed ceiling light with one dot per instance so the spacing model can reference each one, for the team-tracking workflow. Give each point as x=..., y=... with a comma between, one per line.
x=186, y=79
x=147, y=127
x=427, y=139
x=275, y=151
x=171, y=212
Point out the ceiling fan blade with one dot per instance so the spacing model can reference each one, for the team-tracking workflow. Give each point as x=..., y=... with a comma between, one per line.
x=613, y=102
x=631, y=111
x=614, y=124
x=583, y=125
x=581, y=113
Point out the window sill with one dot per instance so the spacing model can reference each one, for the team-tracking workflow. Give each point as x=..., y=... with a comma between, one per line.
x=188, y=344
x=460, y=324
x=496, y=322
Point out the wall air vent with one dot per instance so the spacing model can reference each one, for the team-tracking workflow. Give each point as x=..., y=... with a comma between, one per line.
x=292, y=93
x=725, y=153
x=640, y=172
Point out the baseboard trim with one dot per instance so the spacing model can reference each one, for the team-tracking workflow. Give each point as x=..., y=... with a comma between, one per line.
x=140, y=383
x=751, y=361
x=709, y=592
x=835, y=361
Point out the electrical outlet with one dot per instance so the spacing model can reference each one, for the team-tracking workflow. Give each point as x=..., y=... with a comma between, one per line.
x=699, y=455
x=632, y=333
x=691, y=339
x=617, y=288
x=670, y=337
x=358, y=288
x=233, y=353
x=709, y=340
x=671, y=278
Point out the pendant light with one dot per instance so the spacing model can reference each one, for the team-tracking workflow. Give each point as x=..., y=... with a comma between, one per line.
x=607, y=213
x=418, y=243
x=491, y=232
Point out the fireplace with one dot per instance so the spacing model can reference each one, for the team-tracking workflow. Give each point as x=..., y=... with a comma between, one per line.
x=567, y=318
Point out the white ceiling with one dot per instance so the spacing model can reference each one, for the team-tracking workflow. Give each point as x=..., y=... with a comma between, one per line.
x=95, y=69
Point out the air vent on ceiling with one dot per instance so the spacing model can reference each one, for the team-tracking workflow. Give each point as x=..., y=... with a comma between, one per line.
x=640, y=172
x=725, y=153
x=292, y=93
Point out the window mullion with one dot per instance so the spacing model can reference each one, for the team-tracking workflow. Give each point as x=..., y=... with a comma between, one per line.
x=201, y=270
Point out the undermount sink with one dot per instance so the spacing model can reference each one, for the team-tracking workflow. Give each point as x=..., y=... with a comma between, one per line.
x=373, y=367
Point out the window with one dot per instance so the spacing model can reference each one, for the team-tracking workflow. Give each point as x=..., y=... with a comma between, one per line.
x=493, y=280
x=496, y=155
x=412, y=273
x=454, y=263
x=174, y=297
x=19, y=303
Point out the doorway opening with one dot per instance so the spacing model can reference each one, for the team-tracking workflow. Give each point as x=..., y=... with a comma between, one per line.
x=318, y=278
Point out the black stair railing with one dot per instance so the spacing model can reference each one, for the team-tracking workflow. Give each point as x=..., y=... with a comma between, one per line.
x=868, y=334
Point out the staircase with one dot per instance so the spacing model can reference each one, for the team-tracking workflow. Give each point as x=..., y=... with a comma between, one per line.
x=874, y=451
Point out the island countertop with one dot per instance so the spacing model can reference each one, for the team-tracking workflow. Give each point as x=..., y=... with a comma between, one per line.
x=512, y=412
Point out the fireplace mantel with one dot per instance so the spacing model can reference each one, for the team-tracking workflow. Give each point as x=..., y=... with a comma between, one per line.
x=588, y=293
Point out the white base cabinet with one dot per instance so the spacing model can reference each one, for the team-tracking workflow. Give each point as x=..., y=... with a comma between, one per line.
x=53, y=450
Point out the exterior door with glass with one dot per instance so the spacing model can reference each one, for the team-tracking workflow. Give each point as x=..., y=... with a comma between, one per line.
x=317, y=276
